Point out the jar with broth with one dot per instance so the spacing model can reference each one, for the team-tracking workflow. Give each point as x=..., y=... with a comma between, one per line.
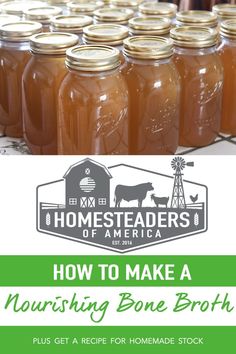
x=126, y=4
x=17, y=8
x=227, y=52
x=113, y=15
x=71, y=24
x=162, y=9
x=150, y=25
x=4, y=19
x=93, y=103
x=154, y=94
x=108, y=34
x=84, y=7
x=14, y=54
x=41, y=80
x=225, y=11
x=197, y=18
x=43, y=15
x=201, y=75
x=60, y=3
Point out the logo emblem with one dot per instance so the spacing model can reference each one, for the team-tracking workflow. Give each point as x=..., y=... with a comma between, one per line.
x=95, y=204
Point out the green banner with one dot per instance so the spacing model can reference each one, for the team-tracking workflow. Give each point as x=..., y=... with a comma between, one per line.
x=118, y=271
x=164, y=340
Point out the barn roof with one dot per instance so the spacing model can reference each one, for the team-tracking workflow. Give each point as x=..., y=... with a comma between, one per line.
x=91, y=161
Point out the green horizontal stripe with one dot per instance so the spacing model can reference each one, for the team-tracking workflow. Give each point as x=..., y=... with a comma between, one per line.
x=216, y=340
x=38, y=270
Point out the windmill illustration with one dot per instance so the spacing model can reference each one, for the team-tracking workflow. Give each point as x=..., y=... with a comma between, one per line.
x=178, y=198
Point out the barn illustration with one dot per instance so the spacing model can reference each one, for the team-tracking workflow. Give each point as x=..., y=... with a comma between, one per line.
x=87, y=185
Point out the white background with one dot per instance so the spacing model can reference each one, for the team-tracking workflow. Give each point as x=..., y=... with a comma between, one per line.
x=19, y=177
x=112, y=318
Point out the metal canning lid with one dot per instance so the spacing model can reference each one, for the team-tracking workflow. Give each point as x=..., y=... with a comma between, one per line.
x=148, y=47
x=197, y=18
x=110, y=34
x=18, y=7
x=228, y=28
x=42, y=14
x=57, y=2
x=19, y=31
x=194, y=37
x=158, y=8
x=71, y=23
x=133, y=4
x=4, y=18
x=85, y=7
x=93, y=58
x=225, y=10
x=52, y=43
x=152, y=25
x=108, y=14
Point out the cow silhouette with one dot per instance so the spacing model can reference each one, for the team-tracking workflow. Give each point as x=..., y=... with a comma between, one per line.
x=129, y=193
x=160, y=201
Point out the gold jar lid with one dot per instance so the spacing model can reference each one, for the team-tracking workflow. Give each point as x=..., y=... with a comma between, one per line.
x=194, y=37
x=19, y=31
x=52, y=42
x=197, y=18
x=4, y=18
x=149, y=25
x=57, y=2
x=85, y=7
x=18, y=7
x=42, y=14
x=228, y=28
x=225, y=11
x=93, y=58
x=115, y=15
x=71, y=23
x=130, y=4
x=158, y=8
x=148, y=47
x=105, y=33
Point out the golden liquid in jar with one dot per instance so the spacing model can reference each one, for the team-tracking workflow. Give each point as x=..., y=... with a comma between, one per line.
x=93, y=114
x=153, y=107
x=227, y=54
x=201, y=98
x=12, y=65
x=41, y=81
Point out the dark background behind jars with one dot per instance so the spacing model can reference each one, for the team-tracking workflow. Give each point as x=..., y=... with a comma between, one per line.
x=198, y=4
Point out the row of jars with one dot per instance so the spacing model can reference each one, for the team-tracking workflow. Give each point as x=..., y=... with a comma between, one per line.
x=104, y=11
x=146, y=99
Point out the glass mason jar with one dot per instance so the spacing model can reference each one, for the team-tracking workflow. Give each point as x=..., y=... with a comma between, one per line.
x=93, y=104
x=17, y=8
x=116, y=15
x=196, y=18
x=42, y=15
x=224, y=11
x=154, y=93
x=107, y=34
x=227, y=53
x=60, y=3
x=4, y=19
x=201, y=75
x=71, y=24
x=162, y=9
x=84, y=7
x=41, y=80
x=127, y=4
x=150, y=26
x=14, y=54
